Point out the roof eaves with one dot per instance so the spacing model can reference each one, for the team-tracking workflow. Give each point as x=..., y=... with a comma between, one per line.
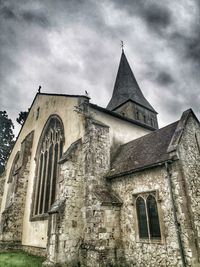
x=157, y=164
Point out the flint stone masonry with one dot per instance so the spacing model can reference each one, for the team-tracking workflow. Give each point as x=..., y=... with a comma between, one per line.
x=93, y=221
x=2, y=182
x=133, y=111
x=84, y=222
x=65, y=216
x=189, y=154
x=143, y=253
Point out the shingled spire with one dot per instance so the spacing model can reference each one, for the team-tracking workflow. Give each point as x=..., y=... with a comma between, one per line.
x=128, y=99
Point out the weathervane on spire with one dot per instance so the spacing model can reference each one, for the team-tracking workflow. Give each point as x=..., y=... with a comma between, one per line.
x=122, y=45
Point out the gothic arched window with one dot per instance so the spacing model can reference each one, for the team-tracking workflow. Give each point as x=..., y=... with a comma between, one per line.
x=12, y=180
x=142, y=218
x=147, y=215
x=154, y=226
x=48, y=153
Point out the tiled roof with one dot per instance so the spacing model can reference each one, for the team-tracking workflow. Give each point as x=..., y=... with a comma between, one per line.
x=106, y=196
x=145, y=151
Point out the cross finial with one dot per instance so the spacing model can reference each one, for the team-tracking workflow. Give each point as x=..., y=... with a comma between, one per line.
x=122, y=45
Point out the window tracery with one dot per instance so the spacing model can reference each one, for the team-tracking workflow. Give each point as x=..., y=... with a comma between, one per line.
x=48, y=154
x=147, y=216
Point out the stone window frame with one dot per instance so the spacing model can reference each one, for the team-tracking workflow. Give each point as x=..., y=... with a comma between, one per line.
x=144, y=118
x=43, y=148
x=12, y=180
x=152, y=122
x=144, y=195
x=137, y=114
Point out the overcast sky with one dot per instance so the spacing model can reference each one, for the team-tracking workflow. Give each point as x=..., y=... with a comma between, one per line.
x=69, y=46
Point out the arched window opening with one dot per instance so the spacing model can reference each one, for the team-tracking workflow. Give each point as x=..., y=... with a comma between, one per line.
x=48, y=154
x=148, y=218
x=12, y=181
x=142, y=218
x=144, y=118
x=154, y=225
x=137, y=115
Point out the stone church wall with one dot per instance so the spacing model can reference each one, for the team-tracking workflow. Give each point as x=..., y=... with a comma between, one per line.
x=66, y=217
x=12, y=217
x=120, y=131
x=132, y=110
x=164, y=252
x=82, y=229
x=35, y=232
x=101, y=227
x=2, y=183
x=189, y=153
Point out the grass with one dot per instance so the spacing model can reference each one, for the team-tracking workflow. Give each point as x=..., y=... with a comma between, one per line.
x=19, y=259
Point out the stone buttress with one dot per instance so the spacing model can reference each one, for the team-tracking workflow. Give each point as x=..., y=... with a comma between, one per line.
x=84, y=222
x=12, y=217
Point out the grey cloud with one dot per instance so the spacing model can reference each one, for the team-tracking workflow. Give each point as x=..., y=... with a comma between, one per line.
x=17, y=13
x=35, y=17
x=193, y=48
x=7, y=13
x=187, y=46
x=157, y=17
x=164, y=78
x=32, y=34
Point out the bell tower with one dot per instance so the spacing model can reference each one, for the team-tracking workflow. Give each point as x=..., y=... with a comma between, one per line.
x=127, y=98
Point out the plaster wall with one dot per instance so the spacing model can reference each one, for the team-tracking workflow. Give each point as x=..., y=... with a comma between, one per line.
x=120, y=131
x=35, y=233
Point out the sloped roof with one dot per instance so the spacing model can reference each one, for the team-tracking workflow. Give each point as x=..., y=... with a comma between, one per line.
x=145, y=151
x=126, y=87
x=106, y=196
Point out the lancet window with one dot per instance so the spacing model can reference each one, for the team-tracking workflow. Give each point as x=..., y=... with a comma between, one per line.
x=49, y=152
x=148, y=218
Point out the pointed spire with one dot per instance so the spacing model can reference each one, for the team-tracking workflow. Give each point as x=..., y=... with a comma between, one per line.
x=126, y=87
x=122, y=46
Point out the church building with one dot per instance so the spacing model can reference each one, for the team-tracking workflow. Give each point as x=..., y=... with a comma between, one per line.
x=90, y=186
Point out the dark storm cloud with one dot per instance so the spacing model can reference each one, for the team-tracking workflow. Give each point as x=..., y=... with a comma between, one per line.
x=164, y=78
x=7, y=13
x=28, y=16
x=34, y=17
x=156, y=16
x=188, y=46
x=69, y=46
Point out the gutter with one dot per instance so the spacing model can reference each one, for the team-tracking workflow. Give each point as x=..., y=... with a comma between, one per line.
x=177, y=225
